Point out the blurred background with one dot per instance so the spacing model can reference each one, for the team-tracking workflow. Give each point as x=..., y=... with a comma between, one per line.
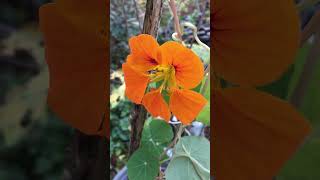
x=32, y=140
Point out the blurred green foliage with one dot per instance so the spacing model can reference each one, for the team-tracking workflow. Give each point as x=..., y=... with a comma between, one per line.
x=32, y=140
x=37, y=155
x=305, y=164
x=120, y=132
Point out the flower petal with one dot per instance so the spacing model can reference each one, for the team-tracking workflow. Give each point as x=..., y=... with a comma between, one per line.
x=144, y=48
x=137, y=63
x=89, y=16
x=186, y=104
x=156, y=105
x=189, y=69
x=136, y=83
x=254, y=41
x=254, y=134
x=77, y=66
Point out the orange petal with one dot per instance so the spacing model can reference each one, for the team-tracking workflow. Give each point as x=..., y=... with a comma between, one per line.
x=139, y=64
x=254, y=41
x=186, y=104
x=254, y=134
x=189, y=69
x=156, y=105
x=136, y=83
x=77, y=65
x=89, y=16
x=144, y=48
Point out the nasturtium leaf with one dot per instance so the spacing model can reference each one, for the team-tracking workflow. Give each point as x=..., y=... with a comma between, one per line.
x=156, y=136
x=191, y=159
x=204, y=115
x=143, y=165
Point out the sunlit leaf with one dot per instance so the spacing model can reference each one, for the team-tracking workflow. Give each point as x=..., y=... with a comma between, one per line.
x=191, y=159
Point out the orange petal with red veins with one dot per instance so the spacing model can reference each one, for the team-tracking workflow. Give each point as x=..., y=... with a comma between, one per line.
x=76, y=54
x=189, y=69
x=156, y=105
x=254, y=41
x=143, y=66
x=186, y=104
x=144, y=48
x=254, y=134
x=136, y=83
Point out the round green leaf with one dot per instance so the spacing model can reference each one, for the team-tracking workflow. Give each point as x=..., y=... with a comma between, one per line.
x=191, y=160
x=156, y=136
x=143, y=165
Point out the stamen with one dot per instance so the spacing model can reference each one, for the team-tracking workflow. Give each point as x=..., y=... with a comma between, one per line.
x=165, y=74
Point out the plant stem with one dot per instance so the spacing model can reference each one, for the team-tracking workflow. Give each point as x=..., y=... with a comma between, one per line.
x=177, y=26
x=86, y=158
x=175, y=140
x=139, y=114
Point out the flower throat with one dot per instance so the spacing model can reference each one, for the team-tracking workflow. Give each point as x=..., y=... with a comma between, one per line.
x=165, y=73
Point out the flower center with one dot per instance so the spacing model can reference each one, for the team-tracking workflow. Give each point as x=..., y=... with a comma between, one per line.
x=164, y=73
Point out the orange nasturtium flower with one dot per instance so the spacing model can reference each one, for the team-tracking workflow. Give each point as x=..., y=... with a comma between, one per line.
x=175, y=67
x=77, y=53
x=253, y=133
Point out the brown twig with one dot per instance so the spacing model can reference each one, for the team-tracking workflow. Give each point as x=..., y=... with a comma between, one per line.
x=139, y=114
x=176, y=138
x=86, y=158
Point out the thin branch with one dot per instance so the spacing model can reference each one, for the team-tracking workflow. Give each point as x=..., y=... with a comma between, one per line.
x=139, y=114
x=177, y=26
x=177, y=136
